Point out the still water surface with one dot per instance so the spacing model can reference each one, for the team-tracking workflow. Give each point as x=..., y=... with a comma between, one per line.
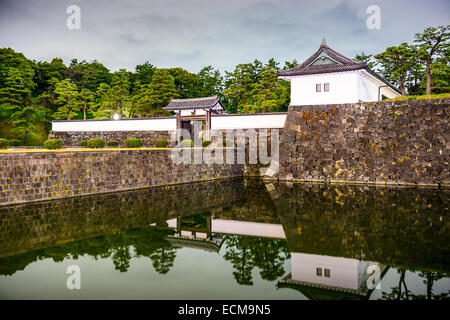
x=231, y=239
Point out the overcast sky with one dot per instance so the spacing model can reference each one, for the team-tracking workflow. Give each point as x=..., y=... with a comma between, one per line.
x=195, y=33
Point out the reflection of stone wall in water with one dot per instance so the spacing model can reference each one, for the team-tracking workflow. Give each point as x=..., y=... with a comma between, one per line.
x=38, y=225
x=394, y=226
x=378, y=142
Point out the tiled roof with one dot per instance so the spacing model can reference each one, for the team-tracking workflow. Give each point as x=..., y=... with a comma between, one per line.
x=196, y=103
x=335, y=62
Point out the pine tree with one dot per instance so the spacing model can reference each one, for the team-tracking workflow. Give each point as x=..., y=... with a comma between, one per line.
x=87, y=101
x=398, y=61
x=432, y=42
x=24, y=120
x=68, y=98
x=15, y=98
x=161, y=90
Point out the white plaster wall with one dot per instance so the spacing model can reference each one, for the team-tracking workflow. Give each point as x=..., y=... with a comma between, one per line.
x=345, y=87
x=257, y=229
x=368, y=88
x=248, y=122
x=342, y=89
x=116, y=125
x=217, y=122
x=198, y=112
x=172, y=223
x=343, y=271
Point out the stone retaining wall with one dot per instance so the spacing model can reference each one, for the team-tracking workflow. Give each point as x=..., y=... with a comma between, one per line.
x=396, y=142
x=33, y=176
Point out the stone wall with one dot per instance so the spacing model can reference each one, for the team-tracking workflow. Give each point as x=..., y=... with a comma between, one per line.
x=33, y=226
x=73, y=138
x=396, y=142
x=33, y=176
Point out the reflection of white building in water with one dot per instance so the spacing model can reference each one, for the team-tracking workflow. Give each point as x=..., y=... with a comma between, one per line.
x=309, y=272
x=330, y=273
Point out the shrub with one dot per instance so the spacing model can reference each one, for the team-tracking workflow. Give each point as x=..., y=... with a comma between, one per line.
x=113, y=143
x=3, y=143
x=53, y=144
x=205, y=143
x=83, y=143
x=161, y=143
x=14, y=142
x=187, y=143
x=96, y=143
x=133, y=143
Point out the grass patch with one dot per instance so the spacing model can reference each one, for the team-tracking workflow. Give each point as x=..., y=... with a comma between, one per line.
x=422, y=97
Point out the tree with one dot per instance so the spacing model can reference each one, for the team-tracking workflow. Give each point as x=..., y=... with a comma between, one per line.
x=290, y=65
x=398, y=61
x=141, y=103
x=432, y=42
x=265, y=94
x=367, y=58
x=120, y=94
x=209, y=82
x=144, y=73
x=185, y=82
x=103, y=102
x=87, y=97
x=11, y=59
x=15, y=98
x=161, y=90
x=238, y=84
x=92, y=75
x=24, y=120
x=68, y=99
x=46, y=73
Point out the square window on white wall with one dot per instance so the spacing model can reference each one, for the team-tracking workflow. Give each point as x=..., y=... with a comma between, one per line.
x=326, y=87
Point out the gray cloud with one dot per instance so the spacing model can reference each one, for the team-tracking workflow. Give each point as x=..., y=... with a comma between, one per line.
x=195, y=33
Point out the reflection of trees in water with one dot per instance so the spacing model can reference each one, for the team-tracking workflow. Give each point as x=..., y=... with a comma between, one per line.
x=246, y=253
x=163, y=259
x=148, y=242
x=401, y=291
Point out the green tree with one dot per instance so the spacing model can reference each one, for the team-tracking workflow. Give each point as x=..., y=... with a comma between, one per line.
x=238, y=85
x=185, y=82
x=209, y=82
x=45, y=75
x=267, y=94
x=16, y=99
x=161, y=90
x=24, y=120
x=398, y=62
x=87, y=98
x=68, y=99
x=103, y=102
x=144, y=73
x=119, y=93
x=290, y=64
x=432, y=42
x=367, y=58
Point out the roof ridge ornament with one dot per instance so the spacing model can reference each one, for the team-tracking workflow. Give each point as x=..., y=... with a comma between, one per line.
x=323, y=43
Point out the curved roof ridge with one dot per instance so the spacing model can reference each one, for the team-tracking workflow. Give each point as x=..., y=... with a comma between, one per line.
x=195, y=99
x=194, y=103
x=343, y=63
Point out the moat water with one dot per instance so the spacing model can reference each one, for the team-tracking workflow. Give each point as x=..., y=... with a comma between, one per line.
x=230, y=239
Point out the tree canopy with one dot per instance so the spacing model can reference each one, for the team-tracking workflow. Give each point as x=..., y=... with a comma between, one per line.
x=43, y=91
